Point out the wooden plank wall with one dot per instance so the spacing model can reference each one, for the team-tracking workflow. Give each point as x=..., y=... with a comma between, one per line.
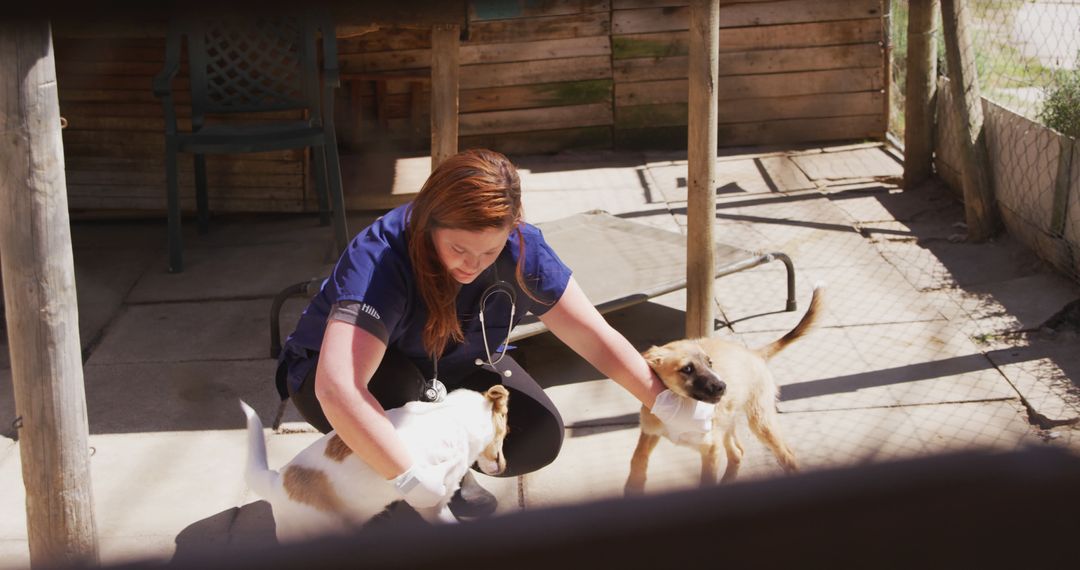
x=537, y=76
x=790, y=71
x=114, y=145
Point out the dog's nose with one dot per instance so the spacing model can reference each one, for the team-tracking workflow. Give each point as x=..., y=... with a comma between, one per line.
x=710, y=387
x=716, y=388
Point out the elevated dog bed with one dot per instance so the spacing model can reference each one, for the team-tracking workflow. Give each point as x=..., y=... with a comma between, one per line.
x=618, y=263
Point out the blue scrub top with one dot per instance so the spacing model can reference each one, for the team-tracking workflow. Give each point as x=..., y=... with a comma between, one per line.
x=375, y=270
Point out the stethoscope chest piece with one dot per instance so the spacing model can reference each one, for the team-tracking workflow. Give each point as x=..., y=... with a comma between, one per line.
x=435, y=391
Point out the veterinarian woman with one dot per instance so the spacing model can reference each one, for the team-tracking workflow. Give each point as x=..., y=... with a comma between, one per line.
x=422, y=301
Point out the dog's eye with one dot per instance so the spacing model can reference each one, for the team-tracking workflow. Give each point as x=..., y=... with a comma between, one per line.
x=708, y=362
x=688, y=369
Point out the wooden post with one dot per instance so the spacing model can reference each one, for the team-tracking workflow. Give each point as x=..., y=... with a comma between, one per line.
x=39, y=293
x=701, y=179
x=445, y=39
x=979, y=208
x=919, y=92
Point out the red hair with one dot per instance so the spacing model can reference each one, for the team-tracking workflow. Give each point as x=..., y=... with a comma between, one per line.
x=474, y=190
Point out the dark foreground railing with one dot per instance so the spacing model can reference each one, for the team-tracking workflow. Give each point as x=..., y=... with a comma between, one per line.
x=974, y=510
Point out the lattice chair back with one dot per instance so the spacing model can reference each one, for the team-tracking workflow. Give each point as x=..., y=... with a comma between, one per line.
x=253, y=64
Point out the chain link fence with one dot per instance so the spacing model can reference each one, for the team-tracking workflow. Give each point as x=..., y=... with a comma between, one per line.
x=1027, y=57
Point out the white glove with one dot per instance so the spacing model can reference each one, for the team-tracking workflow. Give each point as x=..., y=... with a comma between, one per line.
x=686, y=420
x=422, y=486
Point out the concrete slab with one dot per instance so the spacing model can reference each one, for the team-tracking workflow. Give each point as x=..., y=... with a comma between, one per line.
x=843, y=438
x=13, y=495
x=1041, y=374
x=811, y=372
x=595, y=403
x=179, y=396
x=883, y=200
x=807, y=227
x=856, y=295
x=972, y=264
x=14, y=554
x=143, y=234
x=998, y=426
x=148, y=548
x=594, y=463
x=536, y=176
x=196, y=475
x=234, y=272
x=175, y=332
x=103, y=278
x=883, y=365
x=546, y=205
x=864, y=201
x=900, y=245
x=1030, y=311
x=757, y=175
x=1067, y=437
x=926, y=363
x=854, y=163
x=851, y=437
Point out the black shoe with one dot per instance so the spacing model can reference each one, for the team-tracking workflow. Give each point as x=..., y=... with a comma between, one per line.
x=472, y=500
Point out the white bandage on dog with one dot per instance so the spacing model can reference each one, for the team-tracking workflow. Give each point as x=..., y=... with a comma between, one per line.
x=686, y=420
x=422, y=487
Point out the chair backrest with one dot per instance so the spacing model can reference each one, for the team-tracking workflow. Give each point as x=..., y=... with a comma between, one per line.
x=253, y=63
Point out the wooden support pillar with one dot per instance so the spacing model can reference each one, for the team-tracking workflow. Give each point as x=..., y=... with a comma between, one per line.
x=445, y=40
x=919, y=92
x=701, y=180
x=39, y=294
x=979, y=208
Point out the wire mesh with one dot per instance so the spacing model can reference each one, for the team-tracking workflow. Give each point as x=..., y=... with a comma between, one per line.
x=1024, y=57
x=1027, y=60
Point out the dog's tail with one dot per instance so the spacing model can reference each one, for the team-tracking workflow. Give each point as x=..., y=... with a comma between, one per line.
x=260, y=478
x=808, y=321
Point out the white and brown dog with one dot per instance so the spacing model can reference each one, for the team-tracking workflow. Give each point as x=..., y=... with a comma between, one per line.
x=327, y=488
x=734, y=378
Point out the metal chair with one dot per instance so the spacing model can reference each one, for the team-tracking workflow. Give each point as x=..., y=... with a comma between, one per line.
x=241, y=66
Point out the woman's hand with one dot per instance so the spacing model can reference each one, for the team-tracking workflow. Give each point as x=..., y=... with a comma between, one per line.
x=423, y=486
x=685, y=419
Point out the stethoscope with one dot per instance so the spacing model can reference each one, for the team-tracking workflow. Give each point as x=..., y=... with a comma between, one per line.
x=434, y=390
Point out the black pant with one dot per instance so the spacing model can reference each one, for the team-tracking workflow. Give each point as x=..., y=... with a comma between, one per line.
x=535, y=426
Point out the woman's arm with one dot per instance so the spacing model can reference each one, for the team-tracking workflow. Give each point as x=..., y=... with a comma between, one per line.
x=576, y=322
x=347, y=361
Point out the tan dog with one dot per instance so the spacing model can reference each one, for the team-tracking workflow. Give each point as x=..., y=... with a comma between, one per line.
x=326, y=488
x=734, y=378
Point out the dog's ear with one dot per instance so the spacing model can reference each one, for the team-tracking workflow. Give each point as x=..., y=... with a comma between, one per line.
x=655, y=355
x=499, y=397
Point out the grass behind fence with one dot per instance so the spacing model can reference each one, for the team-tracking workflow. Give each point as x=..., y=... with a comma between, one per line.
x=1006, y=75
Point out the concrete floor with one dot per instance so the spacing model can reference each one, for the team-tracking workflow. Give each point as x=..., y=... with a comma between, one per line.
x=913, y=357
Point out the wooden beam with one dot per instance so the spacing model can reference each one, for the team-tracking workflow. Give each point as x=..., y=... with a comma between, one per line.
x=445, y=40
x=980, y=211
x=39, y=295
x=919, y=92
x=701, y=146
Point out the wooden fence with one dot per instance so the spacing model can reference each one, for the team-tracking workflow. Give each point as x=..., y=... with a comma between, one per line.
x=535, y=77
